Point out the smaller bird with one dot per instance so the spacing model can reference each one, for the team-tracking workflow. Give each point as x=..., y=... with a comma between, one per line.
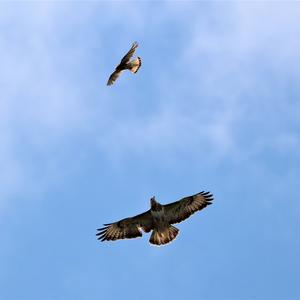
x=126, y=64
x=159, y=218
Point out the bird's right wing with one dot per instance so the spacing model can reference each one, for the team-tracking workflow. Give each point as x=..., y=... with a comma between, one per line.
x=178, y=211
x=129, y=54
x=113, y=77
x=127, y=228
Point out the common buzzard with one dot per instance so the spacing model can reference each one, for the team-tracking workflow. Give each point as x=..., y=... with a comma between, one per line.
x=126, y=64
x=159, y=218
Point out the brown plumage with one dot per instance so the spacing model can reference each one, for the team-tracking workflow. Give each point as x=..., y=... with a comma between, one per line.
x=126, y=64
x=159, y=218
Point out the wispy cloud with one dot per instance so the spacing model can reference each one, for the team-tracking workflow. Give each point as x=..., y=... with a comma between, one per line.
x=249, y=69
x=40, y=105
x=221, y=82
x=204, y=97
x=49, y=75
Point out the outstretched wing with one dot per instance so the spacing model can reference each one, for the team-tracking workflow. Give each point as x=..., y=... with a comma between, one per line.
x=129, y=54
x=180, y=210
x=127, y=228
x=113, y=77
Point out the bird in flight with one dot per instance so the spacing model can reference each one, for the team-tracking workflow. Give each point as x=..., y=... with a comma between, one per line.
x=126, y=64
x=159, y=218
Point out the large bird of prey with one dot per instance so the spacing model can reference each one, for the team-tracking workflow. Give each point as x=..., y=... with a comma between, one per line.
x=126, y=64
x=159, y=218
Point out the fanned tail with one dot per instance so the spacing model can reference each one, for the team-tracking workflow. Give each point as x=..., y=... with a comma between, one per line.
x=165, y=236
x=135, y=65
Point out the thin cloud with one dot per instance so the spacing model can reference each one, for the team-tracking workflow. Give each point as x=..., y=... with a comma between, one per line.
x=204, y=102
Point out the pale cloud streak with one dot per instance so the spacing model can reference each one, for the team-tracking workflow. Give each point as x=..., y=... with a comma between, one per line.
x=39, y=106
x=45, y=98
x=211, y=91
x=247, y=62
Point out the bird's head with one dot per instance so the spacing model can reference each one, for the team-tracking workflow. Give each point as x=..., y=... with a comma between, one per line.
x=154, y=204
x=152, y=201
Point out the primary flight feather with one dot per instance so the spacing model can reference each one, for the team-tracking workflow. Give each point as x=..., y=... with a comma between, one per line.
x=159, y=218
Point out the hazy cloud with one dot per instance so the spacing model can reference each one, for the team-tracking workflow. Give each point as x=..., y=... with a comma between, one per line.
x=208, y=99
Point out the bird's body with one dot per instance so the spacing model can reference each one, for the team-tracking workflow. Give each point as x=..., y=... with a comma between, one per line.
x=126, y=64
x=159, y=218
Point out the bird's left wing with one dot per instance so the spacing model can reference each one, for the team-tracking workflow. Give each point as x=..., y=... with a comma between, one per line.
x=180, y=210
x=129, y=54
x=113, y=77
x=127, y=228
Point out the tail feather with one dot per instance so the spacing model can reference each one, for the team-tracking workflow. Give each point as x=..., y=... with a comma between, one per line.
x=134, y=65
x=165, y=236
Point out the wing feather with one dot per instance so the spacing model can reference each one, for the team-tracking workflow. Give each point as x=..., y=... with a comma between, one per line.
x=113, y=77
x=180, y=210
x=127, y=228
x=129, y=54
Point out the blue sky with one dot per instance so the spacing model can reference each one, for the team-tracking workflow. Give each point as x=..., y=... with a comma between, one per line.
x=214, y=107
